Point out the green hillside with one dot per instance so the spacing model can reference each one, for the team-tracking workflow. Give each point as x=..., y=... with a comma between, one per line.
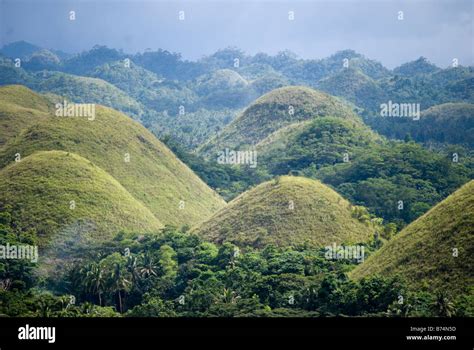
x=273, y=111
x=20, y=108
x=39, y=189
x=419, y=66
x=315, y=143
x=288, y=211
x=423, y=252
x=452, y=123
x=9, y=74
x=354, y=86
x=87, y=90
x=128, y=152
x=223, y=88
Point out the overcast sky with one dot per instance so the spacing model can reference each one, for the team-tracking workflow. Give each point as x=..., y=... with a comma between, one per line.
x=437, y=29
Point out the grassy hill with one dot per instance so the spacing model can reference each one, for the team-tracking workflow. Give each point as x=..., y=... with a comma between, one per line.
x=288, y=211
x=315, y=143
x=40, y=189
x=355, y=86
x=153, y=175
x=87, y=90
x=20, y=108
x=423, y=251
x=272, y=111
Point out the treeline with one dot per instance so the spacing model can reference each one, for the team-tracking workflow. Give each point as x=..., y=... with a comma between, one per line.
x=176, y=274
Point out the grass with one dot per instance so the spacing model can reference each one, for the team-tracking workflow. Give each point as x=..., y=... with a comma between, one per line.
x=423, y=252
x=20, y=108
x=153, y=176
x=88, y=90
x=319, y=142
x=40, y=189
x=264, y=215
x=272, y=112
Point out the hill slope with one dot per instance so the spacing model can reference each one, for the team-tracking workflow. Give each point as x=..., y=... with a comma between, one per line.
x=20, y=108
x=354, y=86
x=273, y=111
x=315, y=143
x=423, y=251
x=87, y=90
x=40, y=189
x=449, y=122
x=127, y=151
x=287, y=211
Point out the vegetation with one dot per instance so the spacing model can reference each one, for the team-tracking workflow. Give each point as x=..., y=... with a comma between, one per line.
x=126, y=229
x=435, y=252
x=451, y=123
x=273, y=111
x=315, y=143
x=386, y=175
x=288, y=211
x=49, y=191
x=179, y=275
x=353, y=85
x=128, y=152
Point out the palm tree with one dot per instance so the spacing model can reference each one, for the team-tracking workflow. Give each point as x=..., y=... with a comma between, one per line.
x=43, y=309
x=95, y=280
x=148, y=267
x=133, y=269
x=228, y=296
x=444, y=306
x=119, y=282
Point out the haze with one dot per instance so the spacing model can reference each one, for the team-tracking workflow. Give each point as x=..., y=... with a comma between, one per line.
x=438, y=30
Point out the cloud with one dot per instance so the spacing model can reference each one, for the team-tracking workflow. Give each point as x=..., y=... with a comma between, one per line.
x=439, y=30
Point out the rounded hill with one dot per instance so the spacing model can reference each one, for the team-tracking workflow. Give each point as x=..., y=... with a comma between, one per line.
x=145, y=167
x=275, y=110
x=49, y=191
x=435, y=252
x=287, y=211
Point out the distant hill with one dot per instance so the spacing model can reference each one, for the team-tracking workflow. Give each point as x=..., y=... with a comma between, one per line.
x=72, y=87
x=223, y=88
x=315, y=143
x=19, y=49
x=9, y=74
x=127, y=76
x=355, y=86
x=370, y=68
x=87, y=90
x=419, y=66
x=85, y=62
x=48, y=191
x=153, y=175
x=288, y=211
x=274, y=110
x=452, y=123
x=423, y=253
x=42, y=59
x=145, y=86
